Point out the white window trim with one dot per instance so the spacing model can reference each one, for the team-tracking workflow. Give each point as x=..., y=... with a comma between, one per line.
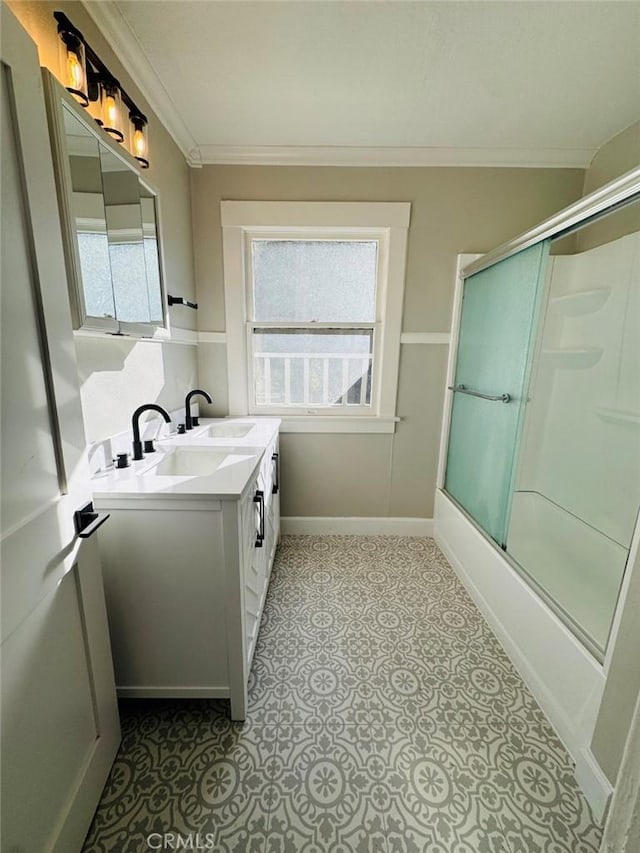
x=388, y=222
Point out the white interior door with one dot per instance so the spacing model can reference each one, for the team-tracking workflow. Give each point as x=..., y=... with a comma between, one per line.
x=60, y=727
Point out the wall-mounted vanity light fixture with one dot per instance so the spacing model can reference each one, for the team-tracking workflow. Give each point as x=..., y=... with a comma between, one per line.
x=111, y=113
x=73, y=65
x=139, y=138
x=94, y=87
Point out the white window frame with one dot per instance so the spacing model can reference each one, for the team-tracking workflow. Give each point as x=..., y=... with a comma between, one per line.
x=387, y=224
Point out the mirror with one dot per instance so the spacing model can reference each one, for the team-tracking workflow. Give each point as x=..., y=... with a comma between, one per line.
x=87, y=208
x=109, y=216
x=123, y=215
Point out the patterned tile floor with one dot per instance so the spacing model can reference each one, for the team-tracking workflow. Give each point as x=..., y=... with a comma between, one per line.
x=384, y=718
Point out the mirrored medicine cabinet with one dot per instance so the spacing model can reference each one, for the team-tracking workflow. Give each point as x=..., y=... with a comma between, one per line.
x=110, y=225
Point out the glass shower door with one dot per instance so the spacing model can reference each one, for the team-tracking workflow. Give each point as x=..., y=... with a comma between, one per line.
x=499, y=309
x=577, y=491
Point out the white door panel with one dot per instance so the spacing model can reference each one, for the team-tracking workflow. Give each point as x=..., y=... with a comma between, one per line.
x=29, y=467
x=44, y=654
x=59, y=722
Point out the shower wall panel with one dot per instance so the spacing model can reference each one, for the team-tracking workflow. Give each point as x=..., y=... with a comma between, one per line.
x=578, y=480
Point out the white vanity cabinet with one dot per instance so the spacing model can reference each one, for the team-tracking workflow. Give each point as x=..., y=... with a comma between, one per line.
x=258, y=562
x=185, y=578
x=270, y=472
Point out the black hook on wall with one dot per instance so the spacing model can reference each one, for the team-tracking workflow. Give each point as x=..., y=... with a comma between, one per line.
x=180, y=300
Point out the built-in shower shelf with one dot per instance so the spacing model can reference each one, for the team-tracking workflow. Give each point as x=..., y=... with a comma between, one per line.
x=618, y=416
x=573, y=359
x=581, y=302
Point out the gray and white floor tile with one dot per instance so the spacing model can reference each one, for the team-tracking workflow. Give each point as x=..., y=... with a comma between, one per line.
x=384, y=718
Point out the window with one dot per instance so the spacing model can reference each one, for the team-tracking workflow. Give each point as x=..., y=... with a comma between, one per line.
x=313, y=297
x=313, y=322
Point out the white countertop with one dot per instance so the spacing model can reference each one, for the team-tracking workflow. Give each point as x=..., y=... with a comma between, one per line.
x=242, y=457
x=261, y=434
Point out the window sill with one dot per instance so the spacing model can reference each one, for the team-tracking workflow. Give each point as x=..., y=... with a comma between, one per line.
x=157, y=335
x=336, y=424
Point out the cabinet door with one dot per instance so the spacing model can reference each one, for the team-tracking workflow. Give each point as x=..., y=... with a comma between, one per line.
x=272, y=521
x=253, y=566
x=60, y=728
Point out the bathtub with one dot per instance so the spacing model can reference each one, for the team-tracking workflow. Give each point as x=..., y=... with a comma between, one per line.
x=566, y=679
x=577, y=566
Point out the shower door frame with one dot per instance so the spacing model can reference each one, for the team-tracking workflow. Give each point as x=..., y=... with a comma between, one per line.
x=619, y=192
x=563, y=673
x=624, y=190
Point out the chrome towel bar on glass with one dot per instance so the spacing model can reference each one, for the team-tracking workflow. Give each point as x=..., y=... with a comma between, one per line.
x=500, y=398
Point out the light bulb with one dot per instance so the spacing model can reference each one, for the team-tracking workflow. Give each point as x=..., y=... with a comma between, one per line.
x=139, y=144
x=139, y=139
x=75, y=71
x=111, y=110
x=72, y=68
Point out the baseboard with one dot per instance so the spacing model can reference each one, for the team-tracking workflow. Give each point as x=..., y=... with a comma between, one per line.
x=172, y=692
x=597, y=788
x=356, y=526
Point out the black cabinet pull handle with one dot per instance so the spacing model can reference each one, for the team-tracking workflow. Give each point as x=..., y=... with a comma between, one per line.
x=86, y=520
x=259, y=499
x=276, y=481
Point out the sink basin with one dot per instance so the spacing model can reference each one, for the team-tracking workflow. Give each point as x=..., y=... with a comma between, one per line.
x=229, y=430
x=196, y=462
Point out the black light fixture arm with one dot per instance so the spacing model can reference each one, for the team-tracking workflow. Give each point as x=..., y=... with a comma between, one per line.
x=98, y=68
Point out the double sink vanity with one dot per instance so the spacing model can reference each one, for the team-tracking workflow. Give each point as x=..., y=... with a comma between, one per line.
x=187, y=556
x=195, y=519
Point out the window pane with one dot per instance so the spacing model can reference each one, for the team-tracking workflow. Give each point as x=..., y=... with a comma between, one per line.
x=129, y=271
x=304, y=281
x=154, y=291
x=305, y=367
x=95, y=269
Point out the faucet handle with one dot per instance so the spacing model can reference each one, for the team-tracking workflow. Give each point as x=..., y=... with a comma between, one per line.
x=181, y=429
x=148, y=446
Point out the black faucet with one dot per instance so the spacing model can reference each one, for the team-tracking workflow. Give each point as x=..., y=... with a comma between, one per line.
x=135, y=425
x=188, y=420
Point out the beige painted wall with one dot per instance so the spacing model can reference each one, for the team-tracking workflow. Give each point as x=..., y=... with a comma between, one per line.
x=622, y=688
x=118, y=375
x=619, y=155
x=453, y=210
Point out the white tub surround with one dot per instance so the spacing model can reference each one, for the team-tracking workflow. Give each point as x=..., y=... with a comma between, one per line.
x=575, y=565
x=564, y=677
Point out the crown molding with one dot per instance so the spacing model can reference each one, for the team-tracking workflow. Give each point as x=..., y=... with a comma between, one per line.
x=329, y=155
x=113, y=25
x=110, y=21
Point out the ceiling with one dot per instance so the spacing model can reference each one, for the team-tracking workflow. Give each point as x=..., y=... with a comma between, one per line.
x=398, y=83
